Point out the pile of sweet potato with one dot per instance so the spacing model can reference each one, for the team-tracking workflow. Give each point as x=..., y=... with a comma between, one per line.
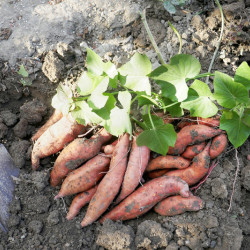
x=110, y=173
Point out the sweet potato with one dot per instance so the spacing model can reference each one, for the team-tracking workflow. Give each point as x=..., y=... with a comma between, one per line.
x=55, y=138
x=146, y=197
x=197, y=170
x=191, y=151
x=186, y=122
x=168, y=161
x=77, y=152
x=56, y=116
x=80, y=201
x=84, y=177
x=157, y=173
x=218, y=146
x=138, y=160
x=109, y=149
x=178, y=205
x=211, y=121
x=192, y=135
x=109, y=186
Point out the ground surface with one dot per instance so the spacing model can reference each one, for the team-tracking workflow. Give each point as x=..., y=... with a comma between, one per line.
x=49, y=39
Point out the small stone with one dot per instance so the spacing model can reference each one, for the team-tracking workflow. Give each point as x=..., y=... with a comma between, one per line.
x=53, y=218
x=9, y=118
x=213, y=244
x=20, y=130
x=40, y=179
x=172, y=246
x=211, y=222
x=177, y=18
x=197, y=22
x=35, y=226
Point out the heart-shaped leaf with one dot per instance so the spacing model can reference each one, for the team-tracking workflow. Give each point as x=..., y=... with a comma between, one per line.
x=181, y=67
x=242, y=75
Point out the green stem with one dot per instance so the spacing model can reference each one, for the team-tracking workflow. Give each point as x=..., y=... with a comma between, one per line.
x=133, y=100
x=199, y=76
x=143, y=18
x=178, y=35
x=150, y=118
x=170, y=105
x=220, y=38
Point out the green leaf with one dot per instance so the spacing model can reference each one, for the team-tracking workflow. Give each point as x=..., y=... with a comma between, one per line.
x=246, y=117
x=136, y=71
x=26, y=82
x=97, y=100
x=144, y=99
x=62, y=100
x=22, y=71
x=181, y=67
x=198, y=102
x=87, y=83
x=175, y=110
x=242, y=75
x=84, y=114
x=119, y=122
x=105, y=111
x=125, y=99
x=157, y=121
x=227, y=92
x=237, y=131
x=158, y=139
x=110, y=69
x=94, y=63
x=169, y=7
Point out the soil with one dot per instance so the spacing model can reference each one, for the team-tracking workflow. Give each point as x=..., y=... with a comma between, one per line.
x=50, y=38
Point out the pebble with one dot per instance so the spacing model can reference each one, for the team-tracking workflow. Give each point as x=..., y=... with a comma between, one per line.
x=212, y=222
x=53, y=218
x=20, y=130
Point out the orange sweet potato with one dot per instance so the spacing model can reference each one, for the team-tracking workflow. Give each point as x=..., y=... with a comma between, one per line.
x=77, y=152
x=109, y=149
x=109, y=186
x=191, y=151
x=168, y=161
x=56, y=116
x=178, y=205
x=197, y=170
x=55, y=138
x=157, y=173
x=146, y=197
x=80, y=201
x=84, y=177
x=137, y=163
x=211, y=121
x=218, y=145
x=192, y=135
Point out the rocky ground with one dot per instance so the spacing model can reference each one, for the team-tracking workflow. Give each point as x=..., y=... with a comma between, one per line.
x=50, y=38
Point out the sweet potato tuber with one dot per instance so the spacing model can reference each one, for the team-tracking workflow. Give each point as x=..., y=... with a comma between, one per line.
x=191, y=151
x=147, y=196
x=56, y=116
x=77, y=152
x=211, y=121
x=192, y=135
x=137, y=163
x=109, y=186
x=218, y=145
x=178, y=205
x=80, y=201
x=109, y=149
x=168, y=161
x=84, y=177
x=197, y=170
x=55, y=138
x=157, y=173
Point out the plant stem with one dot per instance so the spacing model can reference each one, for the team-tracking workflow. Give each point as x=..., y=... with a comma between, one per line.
x=170, y=105
x=150, y=118
x=178, y=35
x=220, y=38
x=143, y=18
